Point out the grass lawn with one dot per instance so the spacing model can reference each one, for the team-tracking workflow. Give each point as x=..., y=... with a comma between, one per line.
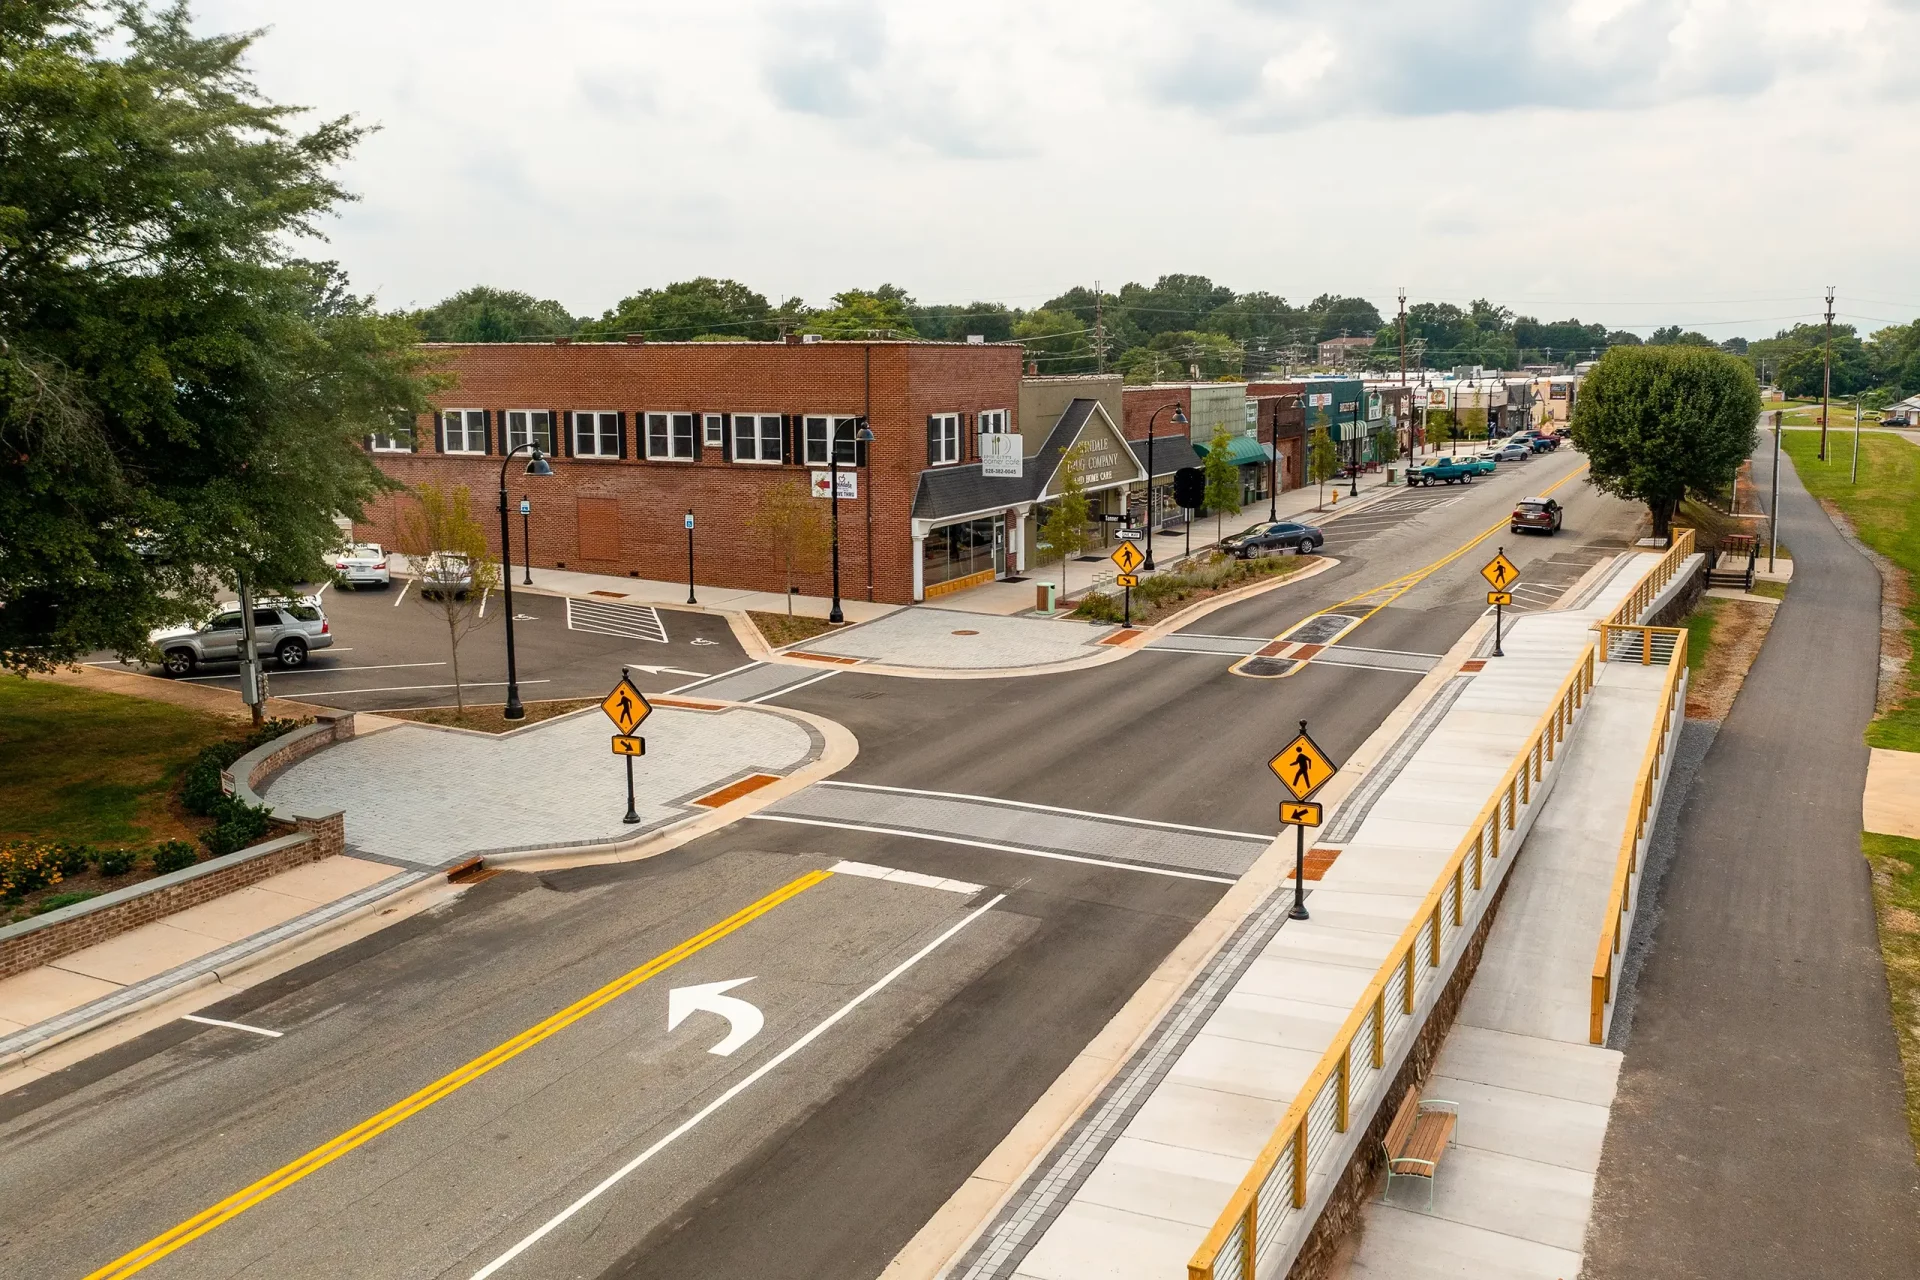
x=1896, y=892
x=1699, y=625
x=96, y=768
x=1884, y=509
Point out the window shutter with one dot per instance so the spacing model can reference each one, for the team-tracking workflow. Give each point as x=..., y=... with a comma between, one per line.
x=726, y=437
x=933, y=439
x=699, y=435
x=553, y=425
x=859, y=450
x=439, y=433
x=568, y=433
x=486, y=429
x=786, y=438
x=622, y=420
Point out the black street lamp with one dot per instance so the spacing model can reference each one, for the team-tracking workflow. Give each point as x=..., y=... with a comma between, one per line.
x=536, y=466
x=862, y=435
x=1354, y=474
x=1273, y=457
x=1179, y=420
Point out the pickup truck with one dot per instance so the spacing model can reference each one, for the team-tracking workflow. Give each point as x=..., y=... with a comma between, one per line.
x=1449, y=471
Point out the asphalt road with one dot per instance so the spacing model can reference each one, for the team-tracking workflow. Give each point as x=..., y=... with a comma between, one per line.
x=828, y=1162
x=1759, y=1129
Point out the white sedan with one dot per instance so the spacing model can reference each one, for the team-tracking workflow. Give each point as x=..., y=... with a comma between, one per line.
x=363, y=565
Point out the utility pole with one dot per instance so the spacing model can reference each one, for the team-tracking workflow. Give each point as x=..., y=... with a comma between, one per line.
x=1826, y=377
x=1403, y=335
x=1099, y=333
x=1856, y=439
x=1773, y=504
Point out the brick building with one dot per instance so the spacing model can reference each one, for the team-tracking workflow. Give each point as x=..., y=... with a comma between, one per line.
x=641, y=432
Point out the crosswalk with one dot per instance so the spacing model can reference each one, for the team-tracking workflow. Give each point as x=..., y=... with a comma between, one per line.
x=610, y=618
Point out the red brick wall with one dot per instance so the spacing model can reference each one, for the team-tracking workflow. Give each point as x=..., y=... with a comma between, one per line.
x=1139, y=404
x=906, y=382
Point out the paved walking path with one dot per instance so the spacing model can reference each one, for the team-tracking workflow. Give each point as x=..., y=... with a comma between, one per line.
x=1759, y=1128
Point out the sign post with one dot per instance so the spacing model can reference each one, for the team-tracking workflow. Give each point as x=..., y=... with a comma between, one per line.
x=1500, y=574
x=1303, y=768
x=526, y=540
x=626, y=706
x=1129, y=558
x=690, y=599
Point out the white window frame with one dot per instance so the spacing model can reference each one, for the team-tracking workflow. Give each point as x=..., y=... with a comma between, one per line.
x=760, y=440
x=470, y=420
x=393, y=442
x=993, y=422
x=713, y=429
x=948, y=425
x=673, y=439
x=820, y=457
x=603, y=435
x=512, y=438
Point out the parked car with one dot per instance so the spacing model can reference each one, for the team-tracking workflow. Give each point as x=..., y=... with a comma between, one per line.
x=445, y=571
x=1273, y=538
x=1514, y=451
x=1538, y=515
x=362, y=565
x=1544, y=442
x=287, y=629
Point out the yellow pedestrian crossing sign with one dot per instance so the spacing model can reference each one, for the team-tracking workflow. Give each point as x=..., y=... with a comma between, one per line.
x=1302, y=813
x=1128, y=557
x=1500, y=572
x=1302, y=767
x=1126, y=579
x=628, y=745
x=1500, y=597
x=626, y=706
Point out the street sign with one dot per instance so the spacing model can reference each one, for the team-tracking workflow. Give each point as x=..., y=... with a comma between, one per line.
x=626, y=706
x=1126, y=580
x=1128, y=557
x=1500, y=597
x=627, y=745
x=1500, y=572
x=689, y=519
x=1300, y=813
x=526, y=507
x=1302, y=767
x=1131, y=535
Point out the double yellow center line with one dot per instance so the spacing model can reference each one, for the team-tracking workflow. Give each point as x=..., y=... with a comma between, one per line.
x=414, y=1103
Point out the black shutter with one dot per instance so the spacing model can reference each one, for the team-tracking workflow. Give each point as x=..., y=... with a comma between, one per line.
x=439, y=433
x=699, y=435
x=553, y=425
x=786, y=438
x=933, y=438
x=726, y=437
x=488, y=419
x=622, y=420
x=567, y=418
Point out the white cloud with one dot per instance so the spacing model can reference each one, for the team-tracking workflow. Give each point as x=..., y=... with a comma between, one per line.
x=1632, y=161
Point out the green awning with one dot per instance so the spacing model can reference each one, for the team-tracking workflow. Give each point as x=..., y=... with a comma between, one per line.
x=1242, y=451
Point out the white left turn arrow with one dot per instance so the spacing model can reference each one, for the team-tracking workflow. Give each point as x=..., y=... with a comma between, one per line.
x=674, y=671
x=743, y=1020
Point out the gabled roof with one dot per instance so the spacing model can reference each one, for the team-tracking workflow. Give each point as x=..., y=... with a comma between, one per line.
x=947, y=493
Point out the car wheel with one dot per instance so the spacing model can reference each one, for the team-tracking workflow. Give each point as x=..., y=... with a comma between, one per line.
x=177, y=662
x=291, y=653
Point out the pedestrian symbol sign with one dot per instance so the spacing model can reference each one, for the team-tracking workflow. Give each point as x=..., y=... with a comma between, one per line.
x=1128, y=557
x=626, y=706
x=1500, y=597
x=1304, y=813
x=628, y=745
x=1126, y=579
x=1500, y=572
x=1302, y=767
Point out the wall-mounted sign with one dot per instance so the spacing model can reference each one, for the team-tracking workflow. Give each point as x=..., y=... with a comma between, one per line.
x=1002, y=454
x=1319, y=399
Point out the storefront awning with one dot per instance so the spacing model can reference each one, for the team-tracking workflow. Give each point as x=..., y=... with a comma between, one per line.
x=1242, y=451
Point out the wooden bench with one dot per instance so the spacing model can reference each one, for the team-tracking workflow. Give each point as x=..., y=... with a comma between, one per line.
x=1417, y=1139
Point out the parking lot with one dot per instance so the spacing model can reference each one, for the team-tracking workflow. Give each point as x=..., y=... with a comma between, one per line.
x=391, y=651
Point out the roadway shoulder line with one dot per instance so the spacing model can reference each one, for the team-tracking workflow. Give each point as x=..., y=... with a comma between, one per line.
x=1051, y=808
x=732, y=671
x=759, y=1073
x=940, y=838
x=790, y=688
x=232, y=1026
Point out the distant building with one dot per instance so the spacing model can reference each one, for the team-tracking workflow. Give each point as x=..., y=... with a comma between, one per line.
x=1338, y=351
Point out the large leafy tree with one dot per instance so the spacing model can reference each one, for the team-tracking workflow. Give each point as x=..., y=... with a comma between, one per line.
x=484, y=314
x=689, y=310
x=182, y=397
x=1659, y=422
x=883, y=313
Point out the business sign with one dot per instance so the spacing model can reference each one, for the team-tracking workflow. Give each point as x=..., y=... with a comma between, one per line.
x=1003, y=454
x=849, y=484
x=1319, y=399
x=1373, y=406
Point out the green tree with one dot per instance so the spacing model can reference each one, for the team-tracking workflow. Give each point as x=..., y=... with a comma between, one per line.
x=1064, y=530
x=1804, y=372
x=687, y=311
x=1672, y=336
x=1659, y=422
x=1223, y=481
x=483, y=314
x=884, y=313
x=443, y=524
x=1056, y=341
x=1323, y=460
x=792, y=520
x=182, y=397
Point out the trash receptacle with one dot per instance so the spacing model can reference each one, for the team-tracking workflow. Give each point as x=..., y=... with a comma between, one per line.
x=1043, y=596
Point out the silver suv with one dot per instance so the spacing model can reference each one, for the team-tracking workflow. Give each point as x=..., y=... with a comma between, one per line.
x=287, y=629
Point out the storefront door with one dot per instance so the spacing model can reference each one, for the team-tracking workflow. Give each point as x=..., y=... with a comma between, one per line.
x=999, y=548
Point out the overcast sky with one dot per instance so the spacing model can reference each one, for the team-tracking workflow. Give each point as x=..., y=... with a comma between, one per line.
x=1713, y=163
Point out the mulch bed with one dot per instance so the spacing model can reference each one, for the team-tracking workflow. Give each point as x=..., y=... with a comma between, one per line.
x=492, y=718
x=780, y=629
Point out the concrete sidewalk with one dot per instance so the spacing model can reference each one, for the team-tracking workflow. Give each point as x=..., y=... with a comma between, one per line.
x=1760, y=1128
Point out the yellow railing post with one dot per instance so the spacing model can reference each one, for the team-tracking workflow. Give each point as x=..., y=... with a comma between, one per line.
x=1342, y=1100
x=1646, y=646
x=1406, y=997
x=1300, y=1165
x=1459, y=894
x=1380, y=1029
x=1249, y=1238
x=1433, y=943
x=1479, y=843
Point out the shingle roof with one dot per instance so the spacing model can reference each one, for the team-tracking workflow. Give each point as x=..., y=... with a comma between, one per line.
x=1170, y=453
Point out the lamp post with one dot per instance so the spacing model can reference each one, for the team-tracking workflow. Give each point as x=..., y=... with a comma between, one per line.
x=1179, y=420
x=526, y=538
x=861, y=435
x=1354, y=475
x=536, y=466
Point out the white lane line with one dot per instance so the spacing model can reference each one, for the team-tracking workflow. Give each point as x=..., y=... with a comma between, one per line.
x=236, y=1026
x=1204, y=653
x=745, y=666
x=874, y=871
x=759, y=1073
x=324, y=671
x=789, y=688
x=1262, y=641
x=1049, y=808
x=323, y=588
x=404, y=588
x=484, y=593
x=985, y=844
x=408, y=688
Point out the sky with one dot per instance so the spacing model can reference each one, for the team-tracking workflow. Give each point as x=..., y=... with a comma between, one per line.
x=1711, y=163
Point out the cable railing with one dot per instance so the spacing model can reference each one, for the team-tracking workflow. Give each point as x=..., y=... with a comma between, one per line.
x=1648, y=589
x=1257, y=1219
x=1626, y=874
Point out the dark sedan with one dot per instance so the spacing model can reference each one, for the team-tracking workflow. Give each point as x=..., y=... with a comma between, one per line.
x=1273, y=539
x=1538, y=515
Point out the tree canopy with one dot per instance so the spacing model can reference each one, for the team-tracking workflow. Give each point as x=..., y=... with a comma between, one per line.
x=484, y=314
x=182, y=396
x=1657, y=423
x=690, y=310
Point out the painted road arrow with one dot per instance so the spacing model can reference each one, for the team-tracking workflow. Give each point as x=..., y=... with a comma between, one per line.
x=743, y=1020
x=672, y=671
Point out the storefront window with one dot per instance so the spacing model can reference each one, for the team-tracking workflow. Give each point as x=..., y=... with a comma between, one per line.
x=957, y=550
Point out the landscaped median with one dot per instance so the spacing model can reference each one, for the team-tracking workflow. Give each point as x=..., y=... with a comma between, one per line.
x=1210, y=574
